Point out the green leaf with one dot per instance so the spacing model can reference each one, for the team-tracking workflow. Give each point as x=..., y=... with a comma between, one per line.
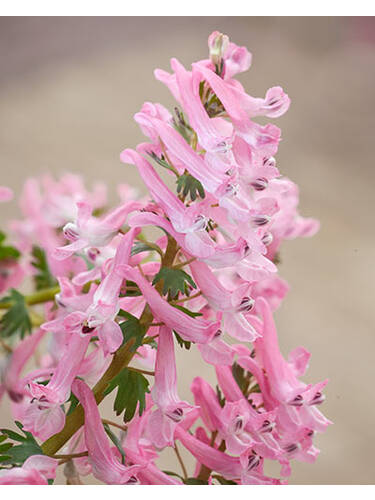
x=7, y=251
x=181, y=342
x=244, y=380
x=16, y=320
x=222, y=480
x=174, y=474
x=174, y=281
x=132, y=329
x=141, y=246
x=182, y=126
x=190, y=186
x=17, y=454
x=192, y=314
x=73, y=403
x=161, y=161
x=194, y=480
x=43, y=278
x=131, y=390
x=5, y=447
x=7, y=433
x=115, y=440
x=220, y=397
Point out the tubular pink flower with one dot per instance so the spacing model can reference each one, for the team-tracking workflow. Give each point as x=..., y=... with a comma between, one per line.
x=105, y=306
x=89, y=231
x=230, y=304
x=265, y=138
x=164, y=392
x=298, y=401
x=215, y=135
x=195, y=165
x=36, y=469
x=44, y=415
x=191, y=329
x=104, y=465
x=206, y=399
x=190, y=221
x=15, y=364
x=171, y=409
x=230, y=467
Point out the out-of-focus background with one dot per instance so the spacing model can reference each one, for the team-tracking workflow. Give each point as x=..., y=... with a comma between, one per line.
x=68, y=90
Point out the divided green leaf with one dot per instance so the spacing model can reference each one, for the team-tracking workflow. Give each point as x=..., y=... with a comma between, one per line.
x=16, y=454
x=182, y=126
x=161, y=161
x=7, y=251
x=131, y=392
x=174, y=281
x=16, y=320
x=181, y=342
x=190, y=186
x=244, y=380
x=43, y=278
x=132, y=329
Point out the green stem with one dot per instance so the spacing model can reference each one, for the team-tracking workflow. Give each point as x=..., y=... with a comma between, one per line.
x=39, y=297
x=144, y=372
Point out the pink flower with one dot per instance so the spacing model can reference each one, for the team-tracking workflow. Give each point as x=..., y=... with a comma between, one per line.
x=236, y=60
x=189, y=221
x=248, y=469
x=15, y=364
x=36, y=469
x=171, y=409
x=178, y=148
x=104, y=464
x=296, y=401
x=233, y=305
x=191, y=329
x=44, y=415
x=265, y=138
x=89, y=231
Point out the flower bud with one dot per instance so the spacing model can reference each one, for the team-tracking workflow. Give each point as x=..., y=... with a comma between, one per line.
x=217, y=44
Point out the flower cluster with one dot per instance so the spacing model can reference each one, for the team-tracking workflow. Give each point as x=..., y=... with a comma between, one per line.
x=107, y=295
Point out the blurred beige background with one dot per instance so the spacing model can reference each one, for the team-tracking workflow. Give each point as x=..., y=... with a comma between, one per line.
x=68, y=90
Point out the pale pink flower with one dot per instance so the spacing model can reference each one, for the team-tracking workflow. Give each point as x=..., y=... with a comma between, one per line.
x=36, y=469
x=104, y=464
x=171, y=409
